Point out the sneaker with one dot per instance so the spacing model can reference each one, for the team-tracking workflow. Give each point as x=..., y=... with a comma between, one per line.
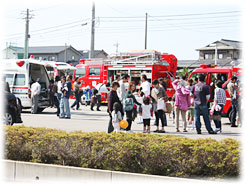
x=145, y=131
x=212, y=132
x=157, y=131
x=161, y=131
x=217, y=130
x=177, y=130
x=98, y=110
x=148, y=131
x=67, y=117
x=233, y=125
x=199, y=132
x=185, y=130
x=72, y=108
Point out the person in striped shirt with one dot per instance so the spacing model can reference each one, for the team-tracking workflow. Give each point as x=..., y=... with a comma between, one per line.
x=220, y=100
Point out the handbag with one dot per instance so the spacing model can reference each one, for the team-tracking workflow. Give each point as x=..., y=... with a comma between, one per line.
x=169, y=107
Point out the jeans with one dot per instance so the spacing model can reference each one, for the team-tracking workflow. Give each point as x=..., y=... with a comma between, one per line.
x=204, y=109
x=64, y=107
x=217, y=122
x=58, y=103
x=77, y=101
x=234, y=111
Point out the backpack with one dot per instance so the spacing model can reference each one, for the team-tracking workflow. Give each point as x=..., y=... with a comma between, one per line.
x=129, y=104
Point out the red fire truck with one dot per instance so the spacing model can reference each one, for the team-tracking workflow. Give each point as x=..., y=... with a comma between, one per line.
x=134, y=63
x=224, y=74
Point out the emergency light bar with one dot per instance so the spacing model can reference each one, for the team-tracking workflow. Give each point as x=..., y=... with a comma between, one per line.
x=208, y=66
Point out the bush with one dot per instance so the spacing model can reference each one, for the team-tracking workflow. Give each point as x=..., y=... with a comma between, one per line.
x=139, y=153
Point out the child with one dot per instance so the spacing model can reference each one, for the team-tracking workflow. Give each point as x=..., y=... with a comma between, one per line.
x=190, y=112
x=87, y=92
x=140, y=100
x=116, y=117
x=94, y=98
x=172, y=104
x=146, y=114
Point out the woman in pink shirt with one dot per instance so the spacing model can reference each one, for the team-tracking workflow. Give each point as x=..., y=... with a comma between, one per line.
x=182, y=101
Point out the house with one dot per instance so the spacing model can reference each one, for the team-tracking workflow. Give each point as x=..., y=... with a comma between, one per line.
x=97, y=54
x=229, y=52
x=66, y=54
x=13, y=52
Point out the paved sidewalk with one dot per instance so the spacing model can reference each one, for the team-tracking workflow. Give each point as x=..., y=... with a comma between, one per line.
x=89, y=121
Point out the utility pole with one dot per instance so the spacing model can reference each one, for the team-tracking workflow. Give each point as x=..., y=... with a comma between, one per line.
x=27, y=36
x=146, y=16
x=65, y=54
x=116, y=45
x=92, y=32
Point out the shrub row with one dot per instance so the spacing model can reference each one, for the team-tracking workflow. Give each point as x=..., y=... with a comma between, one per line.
x=139, y=153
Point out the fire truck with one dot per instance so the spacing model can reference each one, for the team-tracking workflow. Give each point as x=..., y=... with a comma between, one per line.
x=134, y=63
x=224, y=74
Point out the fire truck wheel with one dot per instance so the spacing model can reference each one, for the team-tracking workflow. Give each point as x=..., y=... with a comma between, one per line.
x=229, y=115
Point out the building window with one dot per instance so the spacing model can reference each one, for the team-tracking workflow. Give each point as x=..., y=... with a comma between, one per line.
x=51, y=58
x=208, y=56
x=220, y=56
x=73, y=57
x=36, y=57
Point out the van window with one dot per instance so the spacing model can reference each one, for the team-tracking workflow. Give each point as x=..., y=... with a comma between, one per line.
x=94, y=71
x=80, y=72
x=20, y=80
x=9, y=79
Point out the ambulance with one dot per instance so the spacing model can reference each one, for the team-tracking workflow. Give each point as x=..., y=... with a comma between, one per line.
x=134, y=63
x=214, y=73
x=21, y=74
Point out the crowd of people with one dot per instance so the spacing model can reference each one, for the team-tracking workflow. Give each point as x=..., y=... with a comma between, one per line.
x=141, y=103
x=191, y=100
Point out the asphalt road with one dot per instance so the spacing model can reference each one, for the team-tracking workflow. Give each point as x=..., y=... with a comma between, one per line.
x=93, y=121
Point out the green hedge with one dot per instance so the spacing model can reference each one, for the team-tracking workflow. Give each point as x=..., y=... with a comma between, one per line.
x=166, y=155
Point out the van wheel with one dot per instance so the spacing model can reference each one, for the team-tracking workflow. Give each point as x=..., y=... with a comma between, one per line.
x=40, y=109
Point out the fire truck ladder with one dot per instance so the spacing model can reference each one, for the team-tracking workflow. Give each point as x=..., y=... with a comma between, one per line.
x=142, y=59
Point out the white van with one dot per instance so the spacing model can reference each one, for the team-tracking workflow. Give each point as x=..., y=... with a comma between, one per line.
x=58, y=69
x=21, y=74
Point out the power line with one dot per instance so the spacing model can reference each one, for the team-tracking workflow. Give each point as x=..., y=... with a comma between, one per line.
x=53, y=27
x=179, y=15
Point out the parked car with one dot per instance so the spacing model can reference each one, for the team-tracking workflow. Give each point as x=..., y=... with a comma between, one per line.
x=12, y=110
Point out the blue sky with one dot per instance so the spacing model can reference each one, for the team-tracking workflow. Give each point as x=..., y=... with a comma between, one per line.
x=176, y=27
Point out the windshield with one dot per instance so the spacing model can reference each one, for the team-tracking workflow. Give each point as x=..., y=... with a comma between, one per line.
x=80, y=72
x=94, y=71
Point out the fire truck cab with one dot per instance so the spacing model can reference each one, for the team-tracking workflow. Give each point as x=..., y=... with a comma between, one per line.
x=212, y=74
x=134, y=63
